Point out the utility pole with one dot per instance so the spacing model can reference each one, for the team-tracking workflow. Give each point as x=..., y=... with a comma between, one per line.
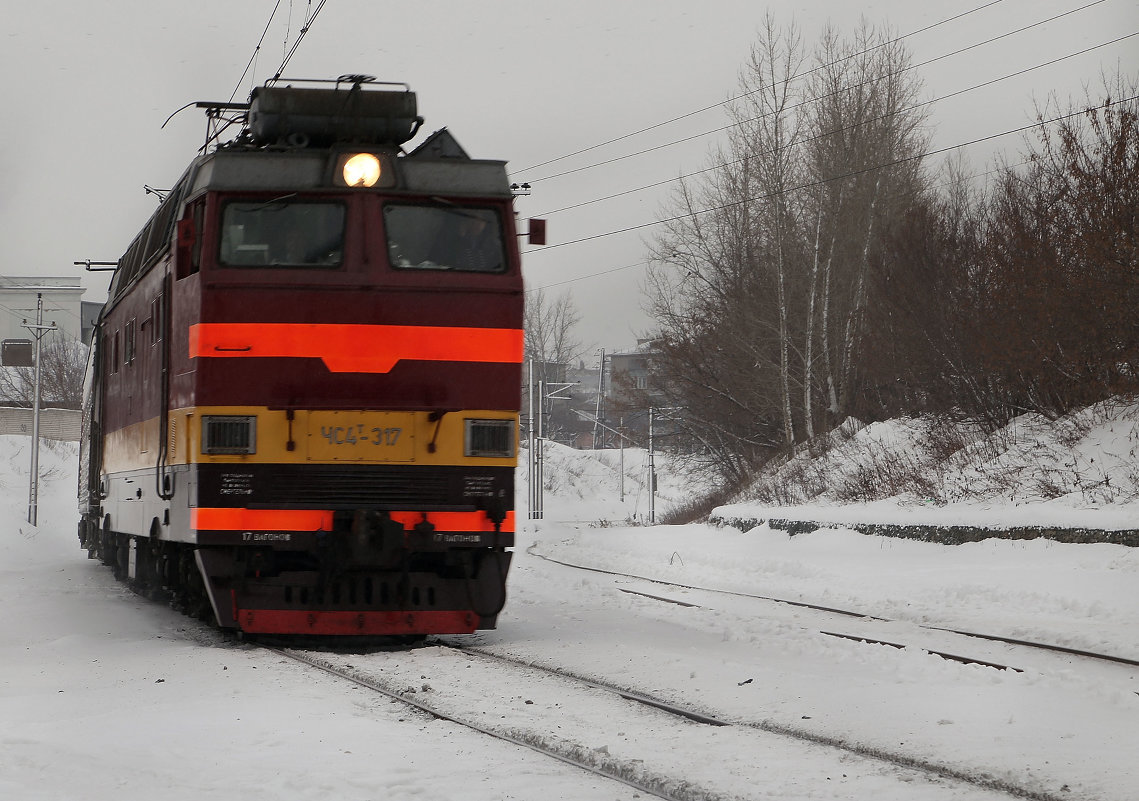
x=531, y=459
x=538, y=445
x=600, y=383
x=621, y=467
x=652, y=475
x=38, y=331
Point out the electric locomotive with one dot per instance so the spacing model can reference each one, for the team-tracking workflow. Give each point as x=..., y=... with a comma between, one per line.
x=301, y=410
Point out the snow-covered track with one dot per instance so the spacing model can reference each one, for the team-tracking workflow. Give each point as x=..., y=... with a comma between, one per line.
x=861, y=615
x=591, y=760
x=645, y=741
x=893, y=760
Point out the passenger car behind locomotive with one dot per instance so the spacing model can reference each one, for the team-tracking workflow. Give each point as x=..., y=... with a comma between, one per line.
x=302, y=402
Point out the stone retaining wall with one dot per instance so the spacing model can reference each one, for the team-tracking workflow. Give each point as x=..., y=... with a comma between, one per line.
x=946, y=535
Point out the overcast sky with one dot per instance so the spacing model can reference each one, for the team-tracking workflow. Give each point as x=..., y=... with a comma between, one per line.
x=89, y=84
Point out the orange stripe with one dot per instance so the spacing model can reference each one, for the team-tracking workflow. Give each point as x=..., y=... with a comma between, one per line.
x=453, y=521
x=204, y=519
x=356, y=348
x=238, y=519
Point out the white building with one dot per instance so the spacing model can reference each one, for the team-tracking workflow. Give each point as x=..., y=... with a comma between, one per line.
x=62, y=303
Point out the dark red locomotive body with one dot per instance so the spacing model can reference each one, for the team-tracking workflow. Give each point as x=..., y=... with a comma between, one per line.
x=303, y=402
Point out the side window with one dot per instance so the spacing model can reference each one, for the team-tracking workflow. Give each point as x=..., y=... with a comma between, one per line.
x=188, y=240
x=199, y=217
x=129, y=341
x=113, y=353
x=156, y=322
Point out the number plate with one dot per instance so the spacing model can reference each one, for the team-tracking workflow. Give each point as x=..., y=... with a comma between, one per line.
x=361, y=437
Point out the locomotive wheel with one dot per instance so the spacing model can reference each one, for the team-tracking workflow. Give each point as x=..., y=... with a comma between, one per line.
x=150, y=565
x=190, y=597
x=121, y=554
x=107, y=545
x=89, y=537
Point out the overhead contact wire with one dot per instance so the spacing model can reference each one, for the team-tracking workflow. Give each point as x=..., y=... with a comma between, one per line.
x=723, y=128
x=256, y=50
x=646, y=262
x=746, y=94
x=846, y=128
x=822, y=181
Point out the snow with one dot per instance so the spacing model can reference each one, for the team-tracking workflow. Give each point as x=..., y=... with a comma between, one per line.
x=104, y=695
x=1081, y=471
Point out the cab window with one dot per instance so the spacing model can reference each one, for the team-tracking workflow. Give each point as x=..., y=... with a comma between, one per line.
x=282, y=233
x=444, y=237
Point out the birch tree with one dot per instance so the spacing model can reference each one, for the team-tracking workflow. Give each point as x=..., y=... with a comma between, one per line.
x=763, y=272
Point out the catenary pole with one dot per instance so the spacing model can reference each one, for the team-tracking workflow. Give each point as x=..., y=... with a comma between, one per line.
x=38, y=330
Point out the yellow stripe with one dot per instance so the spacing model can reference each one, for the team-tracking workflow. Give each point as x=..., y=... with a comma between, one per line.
x=321, y=437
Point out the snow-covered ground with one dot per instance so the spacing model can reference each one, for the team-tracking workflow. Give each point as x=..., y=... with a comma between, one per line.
x=1080, y=471
x=106, y=696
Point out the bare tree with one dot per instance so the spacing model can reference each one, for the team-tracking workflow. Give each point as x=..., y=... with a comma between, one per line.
x=551, y=346
x=767, y=134
x=551, y=339
x=62, y=364
x=868, y=134
x=1061, y=267
x=762, y=274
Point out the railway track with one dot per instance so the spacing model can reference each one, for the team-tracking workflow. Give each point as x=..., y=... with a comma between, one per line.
x=594, y=760
x=641, y=736
x=860, y=615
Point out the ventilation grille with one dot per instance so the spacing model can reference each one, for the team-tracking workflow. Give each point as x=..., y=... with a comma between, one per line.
x=336, y=487
x=492, y=438
x=229, y=434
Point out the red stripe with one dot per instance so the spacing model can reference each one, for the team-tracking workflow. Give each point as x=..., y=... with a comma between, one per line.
x=239, y=519
x=346, y=348
x=285, y=621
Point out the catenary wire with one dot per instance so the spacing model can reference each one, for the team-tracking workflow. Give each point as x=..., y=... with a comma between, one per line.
x=300, y=38
x=914, y=107
x=723, y=128
x=256, y=50
x=822, y=181
x=745, y=94
x=647, y=262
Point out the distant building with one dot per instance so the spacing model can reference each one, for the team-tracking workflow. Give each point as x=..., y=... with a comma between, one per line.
x=600, y=399
x=62, y=305
x=629, y=389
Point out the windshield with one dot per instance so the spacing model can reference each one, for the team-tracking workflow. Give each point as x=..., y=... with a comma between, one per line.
x=282, y=233
x=460, y=238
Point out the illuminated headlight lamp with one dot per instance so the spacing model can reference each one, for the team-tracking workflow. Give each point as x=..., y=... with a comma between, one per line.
x=360, y=170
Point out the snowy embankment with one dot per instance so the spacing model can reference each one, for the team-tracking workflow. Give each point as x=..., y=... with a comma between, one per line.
x=1080, y=472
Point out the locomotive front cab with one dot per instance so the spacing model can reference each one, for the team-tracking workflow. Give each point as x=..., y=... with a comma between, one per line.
x=341, y=385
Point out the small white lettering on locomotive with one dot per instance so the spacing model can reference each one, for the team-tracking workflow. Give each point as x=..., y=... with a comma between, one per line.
x=478, y=486
x=236, y=484
x=266, y=536
x=459, y=539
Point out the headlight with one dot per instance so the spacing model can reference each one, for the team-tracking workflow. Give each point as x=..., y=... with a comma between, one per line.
x=361, y=169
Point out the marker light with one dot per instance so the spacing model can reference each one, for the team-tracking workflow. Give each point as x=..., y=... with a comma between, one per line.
x=362, y=169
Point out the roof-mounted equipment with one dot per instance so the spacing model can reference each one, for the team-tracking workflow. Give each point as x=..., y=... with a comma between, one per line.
x=319, y=117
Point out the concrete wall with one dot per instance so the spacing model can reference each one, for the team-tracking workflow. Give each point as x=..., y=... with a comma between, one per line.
x=62, y=424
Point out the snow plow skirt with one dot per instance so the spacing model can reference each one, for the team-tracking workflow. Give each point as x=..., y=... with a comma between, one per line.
x=288, y=621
